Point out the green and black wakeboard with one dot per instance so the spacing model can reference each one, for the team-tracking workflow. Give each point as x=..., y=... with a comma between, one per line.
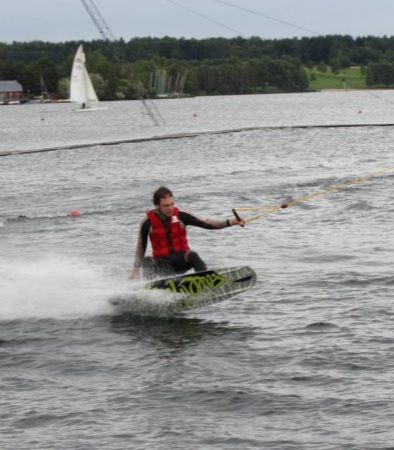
x=192, y=290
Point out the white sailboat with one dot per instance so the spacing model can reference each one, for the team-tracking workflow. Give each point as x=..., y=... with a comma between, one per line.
x=81, y=87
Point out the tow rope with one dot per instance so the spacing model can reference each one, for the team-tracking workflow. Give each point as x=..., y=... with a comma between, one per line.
x=266, y=210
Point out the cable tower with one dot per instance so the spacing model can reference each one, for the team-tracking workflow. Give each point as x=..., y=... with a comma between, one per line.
x=98, y=20
x=149, y=107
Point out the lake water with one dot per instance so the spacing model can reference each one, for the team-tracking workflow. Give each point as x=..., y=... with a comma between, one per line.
x=304, y=360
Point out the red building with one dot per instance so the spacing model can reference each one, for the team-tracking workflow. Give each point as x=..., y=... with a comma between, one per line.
x=10, y=92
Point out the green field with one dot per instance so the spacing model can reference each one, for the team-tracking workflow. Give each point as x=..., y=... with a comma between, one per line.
x=350, y=78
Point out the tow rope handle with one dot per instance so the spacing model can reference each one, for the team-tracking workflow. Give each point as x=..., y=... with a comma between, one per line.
x=237, y=216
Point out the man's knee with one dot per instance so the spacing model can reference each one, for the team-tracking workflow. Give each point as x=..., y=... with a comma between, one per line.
x=193, y=258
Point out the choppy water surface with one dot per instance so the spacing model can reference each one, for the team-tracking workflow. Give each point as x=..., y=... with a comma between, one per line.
x=302, y=361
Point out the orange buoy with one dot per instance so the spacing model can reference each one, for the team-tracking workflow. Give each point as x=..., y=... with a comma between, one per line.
x=75, y=213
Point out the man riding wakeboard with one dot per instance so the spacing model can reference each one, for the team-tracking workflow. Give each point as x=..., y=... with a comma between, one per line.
x=165, y=225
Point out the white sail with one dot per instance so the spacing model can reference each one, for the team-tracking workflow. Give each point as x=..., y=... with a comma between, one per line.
x=81, y=87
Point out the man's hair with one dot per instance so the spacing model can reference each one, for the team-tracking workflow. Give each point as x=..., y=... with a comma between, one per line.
x=160, y=193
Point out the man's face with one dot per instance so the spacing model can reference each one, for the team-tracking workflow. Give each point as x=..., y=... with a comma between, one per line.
x=166, y=206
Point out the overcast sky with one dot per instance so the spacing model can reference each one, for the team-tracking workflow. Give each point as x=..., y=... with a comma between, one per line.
x=67, y=20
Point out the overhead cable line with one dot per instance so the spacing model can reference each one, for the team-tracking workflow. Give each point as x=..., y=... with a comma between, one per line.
x=256, y=13
x=206, y=17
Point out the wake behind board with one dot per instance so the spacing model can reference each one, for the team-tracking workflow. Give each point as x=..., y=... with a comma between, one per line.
x=192, y=290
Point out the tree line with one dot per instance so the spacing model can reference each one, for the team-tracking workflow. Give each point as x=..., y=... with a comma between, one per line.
x=124, y=70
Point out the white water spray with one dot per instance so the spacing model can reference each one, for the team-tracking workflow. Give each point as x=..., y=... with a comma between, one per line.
x=54, y=287
x=61, y=287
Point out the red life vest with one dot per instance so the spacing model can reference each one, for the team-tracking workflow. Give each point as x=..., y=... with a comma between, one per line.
x=163, y=244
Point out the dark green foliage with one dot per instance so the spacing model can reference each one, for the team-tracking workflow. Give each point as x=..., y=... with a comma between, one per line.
x=213, y=66
x=380, y=74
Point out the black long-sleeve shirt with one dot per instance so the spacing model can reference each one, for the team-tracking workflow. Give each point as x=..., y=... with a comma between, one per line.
x=185, y=219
